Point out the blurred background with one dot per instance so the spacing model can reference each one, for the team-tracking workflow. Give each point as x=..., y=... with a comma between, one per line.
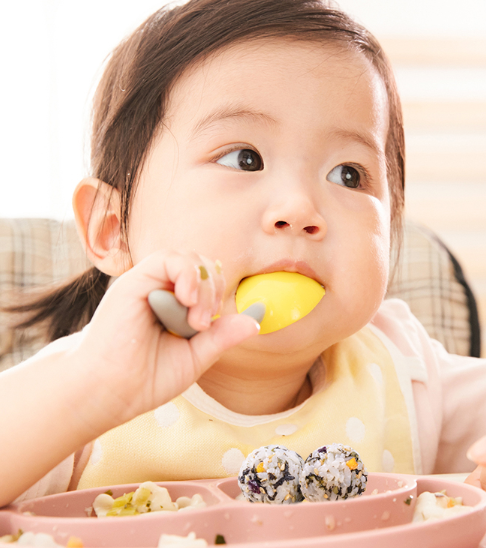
x=52, y=51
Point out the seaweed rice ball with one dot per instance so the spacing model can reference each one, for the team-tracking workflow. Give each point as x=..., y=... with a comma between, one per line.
x=333, y=472
x=270, y=474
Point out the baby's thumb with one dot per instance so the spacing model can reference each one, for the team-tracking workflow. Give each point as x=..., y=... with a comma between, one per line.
x=226, y=332
x=477, y=453
x=477, y=478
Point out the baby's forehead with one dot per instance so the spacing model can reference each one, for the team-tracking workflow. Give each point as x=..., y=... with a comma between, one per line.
x=279, y=75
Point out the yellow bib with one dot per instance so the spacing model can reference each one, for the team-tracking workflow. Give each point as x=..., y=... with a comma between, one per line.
x=361, y=404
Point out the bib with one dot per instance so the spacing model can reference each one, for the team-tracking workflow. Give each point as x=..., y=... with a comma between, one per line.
x=361, y=404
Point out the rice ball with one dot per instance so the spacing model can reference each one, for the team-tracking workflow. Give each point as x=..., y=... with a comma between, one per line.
x=333, y=472
x=270, y=474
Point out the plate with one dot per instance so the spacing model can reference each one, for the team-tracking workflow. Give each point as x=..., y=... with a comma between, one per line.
x=380, y=518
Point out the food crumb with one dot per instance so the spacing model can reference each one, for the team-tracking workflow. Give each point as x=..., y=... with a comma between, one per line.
x=330, y=522
x=256, y=519
x=219, y=540
x=385, y=515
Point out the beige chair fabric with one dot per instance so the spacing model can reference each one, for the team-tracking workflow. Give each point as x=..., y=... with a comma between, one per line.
x=39, y=252
x=431, y=281
x=33, y=253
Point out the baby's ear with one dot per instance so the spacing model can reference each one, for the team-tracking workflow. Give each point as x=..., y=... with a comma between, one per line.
x=97, y=210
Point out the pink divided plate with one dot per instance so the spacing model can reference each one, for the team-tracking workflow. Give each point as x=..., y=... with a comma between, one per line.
x=380, y=518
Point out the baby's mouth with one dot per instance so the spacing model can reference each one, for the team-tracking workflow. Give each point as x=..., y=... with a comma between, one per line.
x=287, y=296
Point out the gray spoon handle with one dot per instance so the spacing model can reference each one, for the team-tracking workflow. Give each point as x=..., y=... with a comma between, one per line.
x=173, y=315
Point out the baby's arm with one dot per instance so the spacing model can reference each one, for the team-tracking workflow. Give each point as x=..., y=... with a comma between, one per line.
x=124, y=364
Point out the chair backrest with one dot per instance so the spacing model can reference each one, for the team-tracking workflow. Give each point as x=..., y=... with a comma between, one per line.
x=39, y=252
x=431, y=281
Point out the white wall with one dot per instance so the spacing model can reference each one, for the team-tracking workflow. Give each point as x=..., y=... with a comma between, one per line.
x=51, y=52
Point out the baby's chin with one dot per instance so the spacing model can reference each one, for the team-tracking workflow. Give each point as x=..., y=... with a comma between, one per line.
x=306, y=335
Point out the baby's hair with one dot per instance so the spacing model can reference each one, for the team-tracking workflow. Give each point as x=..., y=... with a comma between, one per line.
x=133, y=94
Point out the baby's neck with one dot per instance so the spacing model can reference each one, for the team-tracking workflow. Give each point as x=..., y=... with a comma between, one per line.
x=262, y=394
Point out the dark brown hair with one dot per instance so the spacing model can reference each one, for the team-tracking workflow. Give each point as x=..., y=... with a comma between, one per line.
x=133, y=93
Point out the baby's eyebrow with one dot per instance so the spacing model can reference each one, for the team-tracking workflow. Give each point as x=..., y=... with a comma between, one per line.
x=362, y=138
x=231, y=111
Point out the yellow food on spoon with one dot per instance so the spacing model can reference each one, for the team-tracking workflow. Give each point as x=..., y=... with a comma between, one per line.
x=287, y=296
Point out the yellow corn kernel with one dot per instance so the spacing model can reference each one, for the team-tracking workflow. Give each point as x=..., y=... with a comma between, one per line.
x=352, y=464
x=260, y=468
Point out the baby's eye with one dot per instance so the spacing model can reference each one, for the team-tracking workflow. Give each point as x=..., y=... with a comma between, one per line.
x=345, y=176
x=245, y=159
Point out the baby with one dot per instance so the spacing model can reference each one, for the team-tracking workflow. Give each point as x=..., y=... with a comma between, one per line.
x=232, y=139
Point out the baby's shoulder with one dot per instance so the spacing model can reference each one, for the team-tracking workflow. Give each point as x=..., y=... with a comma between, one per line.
x=396, y=322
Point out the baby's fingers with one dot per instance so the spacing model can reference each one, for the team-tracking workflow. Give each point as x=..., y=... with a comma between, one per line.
x=210, y=292
x=477, y=452
x=477, y=478
x=226, y=332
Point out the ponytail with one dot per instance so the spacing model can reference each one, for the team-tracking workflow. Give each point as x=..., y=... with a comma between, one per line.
x=65, y=309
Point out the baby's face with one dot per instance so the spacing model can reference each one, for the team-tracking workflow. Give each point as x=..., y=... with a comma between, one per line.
x=273, y=158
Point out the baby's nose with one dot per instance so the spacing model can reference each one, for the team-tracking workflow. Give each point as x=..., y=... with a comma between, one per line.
x=312, y=229
x=297, y=216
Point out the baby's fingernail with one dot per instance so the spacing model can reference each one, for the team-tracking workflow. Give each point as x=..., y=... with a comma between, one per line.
x=204, y=272
x=205, y=319
x=194, y=295
x=216, y=308
x=477, y=452
x=218, y=266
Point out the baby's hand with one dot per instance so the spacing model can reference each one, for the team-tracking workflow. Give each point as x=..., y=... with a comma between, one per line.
x=477, y=454
x=136, y=364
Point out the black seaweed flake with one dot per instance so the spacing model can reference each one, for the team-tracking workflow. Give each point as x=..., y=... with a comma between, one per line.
x=408, y=501
x=219, y=540
x=245, y=472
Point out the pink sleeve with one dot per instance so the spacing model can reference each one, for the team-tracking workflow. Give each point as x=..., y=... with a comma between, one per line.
x=450, y=403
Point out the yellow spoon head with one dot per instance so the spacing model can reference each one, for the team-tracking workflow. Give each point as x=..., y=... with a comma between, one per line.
x=287, y=296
